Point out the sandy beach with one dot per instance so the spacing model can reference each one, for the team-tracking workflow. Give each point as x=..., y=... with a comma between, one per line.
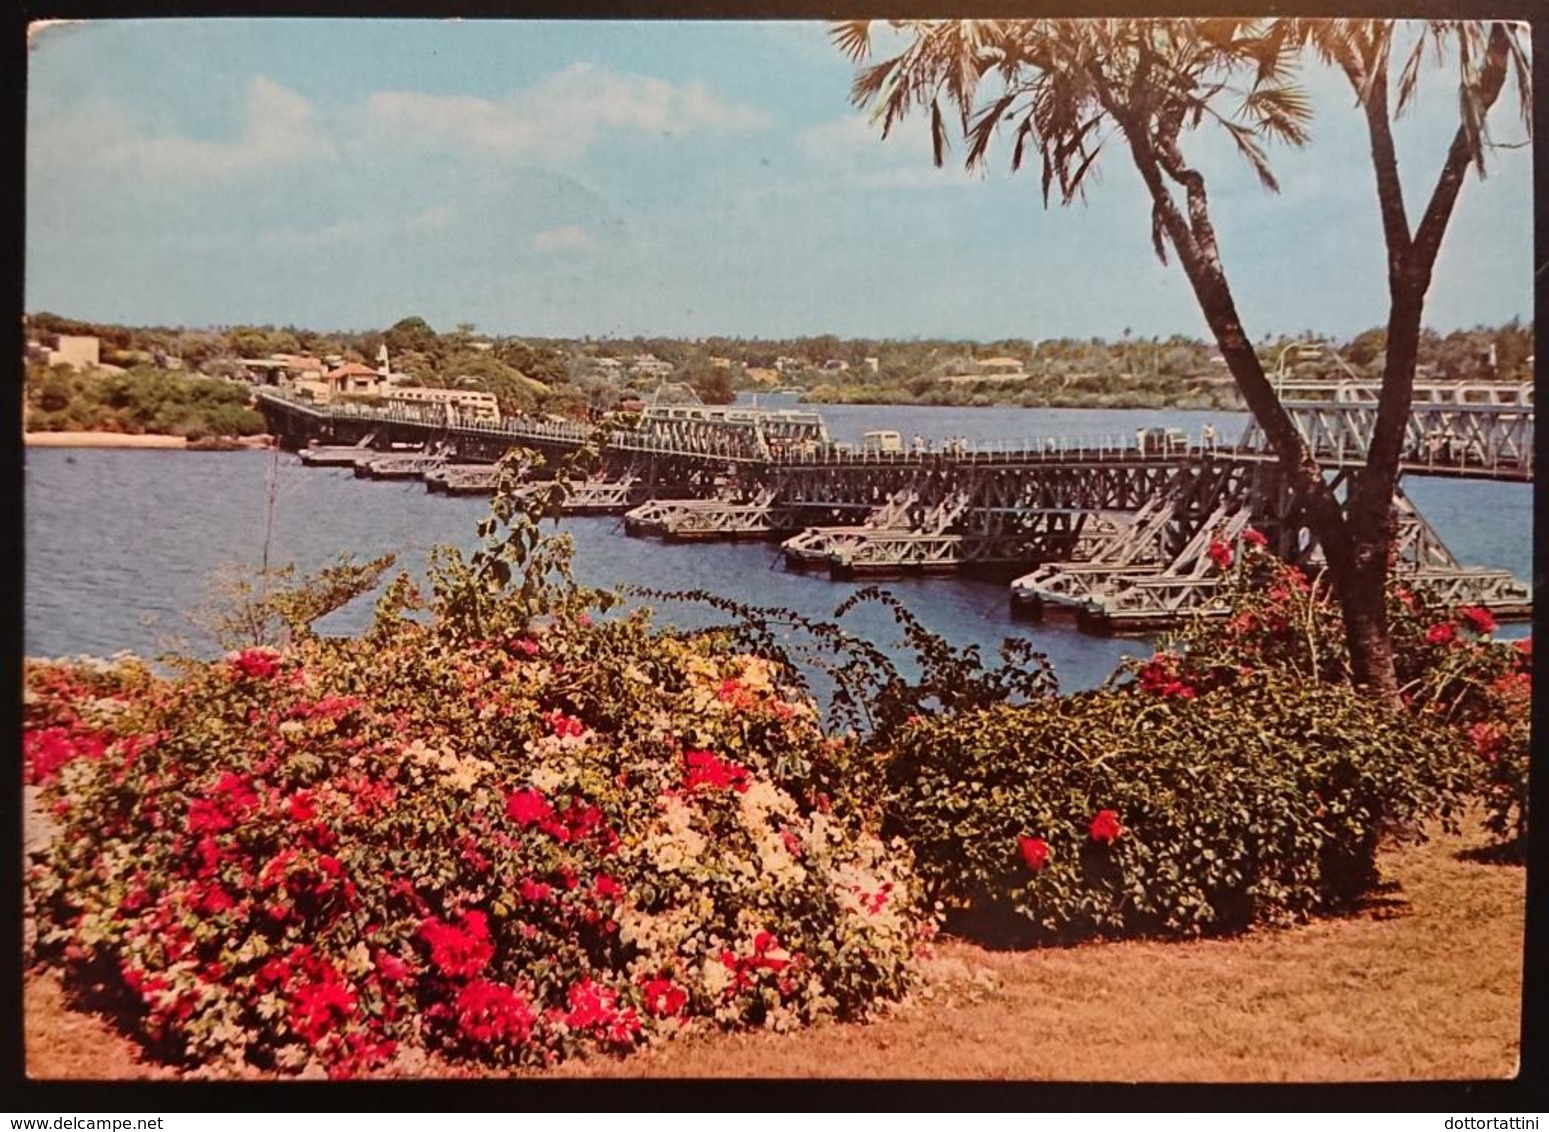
x=121, y=440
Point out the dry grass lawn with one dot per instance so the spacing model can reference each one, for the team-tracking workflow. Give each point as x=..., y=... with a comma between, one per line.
x=1422, y=984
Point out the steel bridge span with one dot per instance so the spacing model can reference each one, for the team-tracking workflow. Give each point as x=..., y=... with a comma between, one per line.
x=1112, y=532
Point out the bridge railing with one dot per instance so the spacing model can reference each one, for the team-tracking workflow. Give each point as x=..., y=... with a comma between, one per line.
x=1053, y=449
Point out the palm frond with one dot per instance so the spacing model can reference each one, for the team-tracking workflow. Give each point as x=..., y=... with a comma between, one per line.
x=1244, y=139
x=1273, y=53
x=1280, y=112
x=1073, y=184
x=1522, y=72
x=853, y=38
x=984, y=128
x=1024, y=131
x=870, y=81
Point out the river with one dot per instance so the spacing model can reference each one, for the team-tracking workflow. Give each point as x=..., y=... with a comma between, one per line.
x=122, y=545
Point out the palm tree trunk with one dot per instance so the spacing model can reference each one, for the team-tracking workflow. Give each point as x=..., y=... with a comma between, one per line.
x=1362, y=589
x=1357, y=563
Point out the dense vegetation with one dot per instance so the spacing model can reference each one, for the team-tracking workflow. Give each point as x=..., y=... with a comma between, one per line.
x=569, y=376
x=141, y=400
x=619, y=831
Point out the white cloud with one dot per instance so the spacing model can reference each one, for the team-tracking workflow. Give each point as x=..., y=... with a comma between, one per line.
x=362, y=230
x=567, y=238
x=852, y=151
x=436, y=218
x=558, y=117
x=280, y=130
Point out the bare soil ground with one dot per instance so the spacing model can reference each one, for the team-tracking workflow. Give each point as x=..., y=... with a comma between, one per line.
x=1422, y=983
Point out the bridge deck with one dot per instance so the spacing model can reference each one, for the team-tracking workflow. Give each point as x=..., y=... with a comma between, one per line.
x=1116, y=526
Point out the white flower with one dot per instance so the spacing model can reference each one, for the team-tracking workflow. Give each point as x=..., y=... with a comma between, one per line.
x=545, y=778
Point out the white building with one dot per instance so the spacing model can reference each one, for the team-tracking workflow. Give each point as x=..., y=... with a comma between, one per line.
x=458, y=404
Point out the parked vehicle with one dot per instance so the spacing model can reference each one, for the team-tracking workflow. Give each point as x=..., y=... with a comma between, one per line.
x=1163, y=440
x=882, y=440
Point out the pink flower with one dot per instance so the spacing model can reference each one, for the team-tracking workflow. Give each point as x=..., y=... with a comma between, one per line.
x=1440, y=633
x=1220, y=554
x=1254, y=538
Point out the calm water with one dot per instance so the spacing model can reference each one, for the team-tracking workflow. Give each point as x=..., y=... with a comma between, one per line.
x=122, y=545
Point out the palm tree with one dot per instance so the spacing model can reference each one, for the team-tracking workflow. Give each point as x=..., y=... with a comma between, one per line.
x=1364, y=51
x=1067, y=89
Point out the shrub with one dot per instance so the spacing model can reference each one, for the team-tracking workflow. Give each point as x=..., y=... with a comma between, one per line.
x=507, y=835
x=1150, y=808
x=1469, y=690
x=54, y=396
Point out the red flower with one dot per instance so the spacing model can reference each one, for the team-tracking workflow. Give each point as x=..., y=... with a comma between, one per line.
x=1254, y=538
x=534, y=891
x=45, y=751
x=664, y=998
x=301, y=807
x=606, y=887
x=1035, y=852
x=216, y=899
x=237, y=791
x=1487, y=738
x=256, y=664
x=1440, y=633
x=705, y=769
x=1159, y=676
x=205, y=816
x=1220, y=554
x=1479, y=619
x=563, y=725
x=490, y=1012
x=458, y=952
x=1105, y=827
x=318, y=1006
x=590, y=1005
x=525, y=807
x=393, y=969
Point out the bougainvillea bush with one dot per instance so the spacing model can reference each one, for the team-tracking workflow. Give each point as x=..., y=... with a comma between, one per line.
x=1140, y=810
x=1456, y=680
x=502, y=835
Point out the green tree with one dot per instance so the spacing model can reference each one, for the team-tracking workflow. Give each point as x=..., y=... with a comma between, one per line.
x=1065, y=89
x=414, y=335
x=55, y=395
x=712, y=383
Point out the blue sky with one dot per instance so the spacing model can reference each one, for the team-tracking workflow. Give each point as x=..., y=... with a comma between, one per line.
x=675, y=179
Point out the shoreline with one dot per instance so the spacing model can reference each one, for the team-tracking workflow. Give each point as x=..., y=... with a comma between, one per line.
x=131, y=440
